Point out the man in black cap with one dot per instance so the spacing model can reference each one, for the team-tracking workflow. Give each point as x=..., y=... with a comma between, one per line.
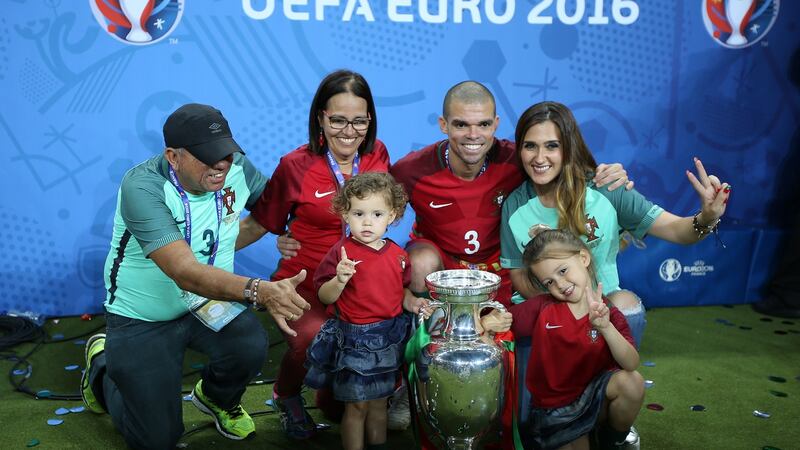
x=175, y=233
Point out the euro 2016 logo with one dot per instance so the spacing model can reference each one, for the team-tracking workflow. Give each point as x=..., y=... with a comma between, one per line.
x=138, y=22
x=739, y=23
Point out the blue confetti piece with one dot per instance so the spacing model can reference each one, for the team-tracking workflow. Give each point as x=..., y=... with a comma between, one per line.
x=80, y=342
x=20, y=372
x=268, y=402
x=187, y=397
x=649, y=383
x=57, y=337
x=71, y=367
x=77, y=409
x=62, y=411
x=649, y=364
x=54, y=422
x=44, y=393
x=722, y=321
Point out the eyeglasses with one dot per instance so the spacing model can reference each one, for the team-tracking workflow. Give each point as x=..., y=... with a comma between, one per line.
x=340, y=123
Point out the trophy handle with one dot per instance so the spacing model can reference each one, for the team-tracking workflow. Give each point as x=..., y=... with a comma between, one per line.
x=492, y=304
x=432, y=304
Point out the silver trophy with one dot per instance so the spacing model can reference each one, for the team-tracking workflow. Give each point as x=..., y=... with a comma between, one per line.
x=459, y=388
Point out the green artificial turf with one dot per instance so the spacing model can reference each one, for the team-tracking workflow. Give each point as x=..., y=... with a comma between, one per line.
x=702, y=356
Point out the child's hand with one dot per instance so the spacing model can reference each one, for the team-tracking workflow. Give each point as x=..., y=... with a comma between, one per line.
x=418, y=305
x=598, y=311
x=496, y=321
x=345, y=269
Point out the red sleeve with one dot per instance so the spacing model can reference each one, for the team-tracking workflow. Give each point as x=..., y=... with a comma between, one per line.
x=407, y=270
x=276, y=202
x=327, y=267
x=620, y=323
x=526, y=313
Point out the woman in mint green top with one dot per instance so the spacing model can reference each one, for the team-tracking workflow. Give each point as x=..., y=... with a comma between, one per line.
x=559, y=194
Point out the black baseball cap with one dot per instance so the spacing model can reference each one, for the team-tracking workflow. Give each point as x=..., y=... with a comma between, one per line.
x=202, y=130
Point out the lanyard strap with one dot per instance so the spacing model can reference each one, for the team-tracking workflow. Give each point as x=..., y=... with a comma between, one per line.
x=187, y=232
x=447, y=161
x=339, y=177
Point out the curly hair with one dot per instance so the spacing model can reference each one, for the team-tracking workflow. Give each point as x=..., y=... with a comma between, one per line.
x=578, y=162
x=554, y=244
x=365, y=184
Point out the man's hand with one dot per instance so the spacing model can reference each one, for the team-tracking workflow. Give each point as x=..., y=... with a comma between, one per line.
x=614, y=174
x=282, y=300
x=287, y=246
x=496, y=321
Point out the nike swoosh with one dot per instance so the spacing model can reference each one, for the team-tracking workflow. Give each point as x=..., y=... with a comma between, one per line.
x=319, y=194
x=552, y=327
x=435, y=206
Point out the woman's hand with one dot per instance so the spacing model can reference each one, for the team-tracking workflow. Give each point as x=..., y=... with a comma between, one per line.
x=713, y=194
x=614, y=174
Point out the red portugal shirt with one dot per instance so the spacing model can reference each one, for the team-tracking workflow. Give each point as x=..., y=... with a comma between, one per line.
x=376, y=290
x=299, y=194
x=461, y=217
x=567, y=353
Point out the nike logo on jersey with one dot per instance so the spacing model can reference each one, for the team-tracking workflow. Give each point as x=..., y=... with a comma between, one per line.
x=439, y=205
x=552, y=327
x=319, y=194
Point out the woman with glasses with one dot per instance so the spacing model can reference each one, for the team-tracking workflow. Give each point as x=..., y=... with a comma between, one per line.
x=297, y=203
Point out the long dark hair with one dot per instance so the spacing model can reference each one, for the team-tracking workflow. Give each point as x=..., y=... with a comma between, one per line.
x=336, y=83
x=578, y=162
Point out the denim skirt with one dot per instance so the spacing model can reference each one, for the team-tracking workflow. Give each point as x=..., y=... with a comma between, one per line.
x=358, y=362
x=556, y=427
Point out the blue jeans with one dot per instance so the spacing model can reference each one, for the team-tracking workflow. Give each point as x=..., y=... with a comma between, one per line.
x=139, y=376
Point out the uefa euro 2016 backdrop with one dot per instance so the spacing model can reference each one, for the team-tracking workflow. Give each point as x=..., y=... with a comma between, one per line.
x=87, y=85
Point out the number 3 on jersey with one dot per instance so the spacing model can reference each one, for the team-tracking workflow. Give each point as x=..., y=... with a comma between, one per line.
x=473, y=243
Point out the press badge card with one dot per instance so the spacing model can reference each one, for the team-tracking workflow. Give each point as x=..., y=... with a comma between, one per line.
x=214, y=314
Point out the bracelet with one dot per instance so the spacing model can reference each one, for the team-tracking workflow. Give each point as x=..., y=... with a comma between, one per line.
x=703, y=230
x=251, y=291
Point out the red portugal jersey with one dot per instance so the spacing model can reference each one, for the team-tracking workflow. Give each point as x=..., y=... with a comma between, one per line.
x=461, y=217
x=299, y=194
x=567, y=353
x=376, y=290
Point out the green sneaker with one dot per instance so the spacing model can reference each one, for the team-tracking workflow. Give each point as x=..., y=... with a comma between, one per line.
x=233, y=423
x=94, y=346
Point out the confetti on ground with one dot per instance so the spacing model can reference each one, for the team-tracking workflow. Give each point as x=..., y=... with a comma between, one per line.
x=71, y=367
x=187, y=397
x=20, y=372
x=777, y=379
x=44, y=393
x=57, y=337
x=80, y=342
x=54, y=422
x=62, y=411
x=779, y=393
x=761, y=414
x=697, y=408
x=655, y=407
x=77, y=409
x=722, y=321
x=649, y=364
x=268, y=402
x=32, y=443
x=649, y=383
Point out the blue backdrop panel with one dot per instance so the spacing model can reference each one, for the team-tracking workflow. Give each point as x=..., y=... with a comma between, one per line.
x=652, y=84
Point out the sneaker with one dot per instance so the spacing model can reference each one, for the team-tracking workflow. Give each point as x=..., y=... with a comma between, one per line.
x=399, y=413
x=295, y=420
x=233, y=423
x=94, y=346
x=632, y=441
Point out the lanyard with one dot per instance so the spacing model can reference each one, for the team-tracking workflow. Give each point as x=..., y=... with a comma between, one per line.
x=337, y=174
x=187, y=232
x=447, y=161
